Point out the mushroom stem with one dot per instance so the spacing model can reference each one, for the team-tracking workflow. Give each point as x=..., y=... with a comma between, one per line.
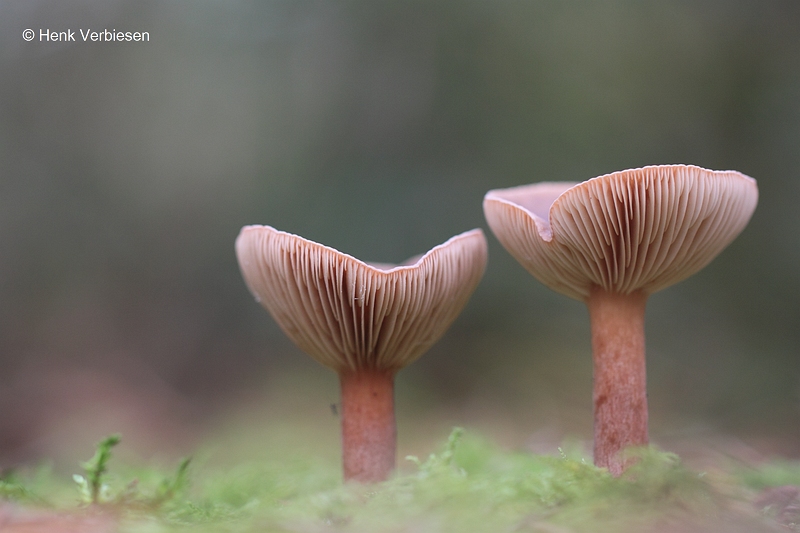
x=620, y=381
x=369, y=434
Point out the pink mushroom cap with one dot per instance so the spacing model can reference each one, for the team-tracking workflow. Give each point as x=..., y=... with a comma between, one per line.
x=635, y=230
x=350, y=315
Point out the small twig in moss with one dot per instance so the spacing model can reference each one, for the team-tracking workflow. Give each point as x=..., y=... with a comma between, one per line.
x=444, y=459
x=91, y=486
x=169, y=488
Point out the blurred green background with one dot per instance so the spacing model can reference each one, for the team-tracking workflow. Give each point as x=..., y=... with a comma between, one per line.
x=127, y=170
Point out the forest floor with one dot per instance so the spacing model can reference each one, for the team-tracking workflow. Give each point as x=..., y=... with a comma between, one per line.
x=469, y=484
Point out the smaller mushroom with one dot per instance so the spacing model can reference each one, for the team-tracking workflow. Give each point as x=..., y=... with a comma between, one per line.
x=610, y=242
x=364, y=321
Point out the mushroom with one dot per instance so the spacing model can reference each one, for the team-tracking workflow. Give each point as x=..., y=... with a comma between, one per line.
x=364, y=321
x=612, y=241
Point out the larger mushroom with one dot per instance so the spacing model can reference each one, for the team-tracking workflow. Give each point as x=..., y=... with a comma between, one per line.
x=364, y=321
x=612, y=241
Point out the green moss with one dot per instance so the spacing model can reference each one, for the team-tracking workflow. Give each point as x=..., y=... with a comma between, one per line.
x=469, y=485
x=12, y=488
x=771, y=474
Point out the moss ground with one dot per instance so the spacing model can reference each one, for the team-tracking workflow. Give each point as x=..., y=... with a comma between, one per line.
x=468, y=485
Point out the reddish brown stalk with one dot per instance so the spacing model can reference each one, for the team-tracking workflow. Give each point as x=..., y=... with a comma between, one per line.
x=369, y=435
x=620, y=382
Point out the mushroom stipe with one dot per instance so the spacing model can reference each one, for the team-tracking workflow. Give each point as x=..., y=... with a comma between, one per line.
x=369, y=434
x=620, y=383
